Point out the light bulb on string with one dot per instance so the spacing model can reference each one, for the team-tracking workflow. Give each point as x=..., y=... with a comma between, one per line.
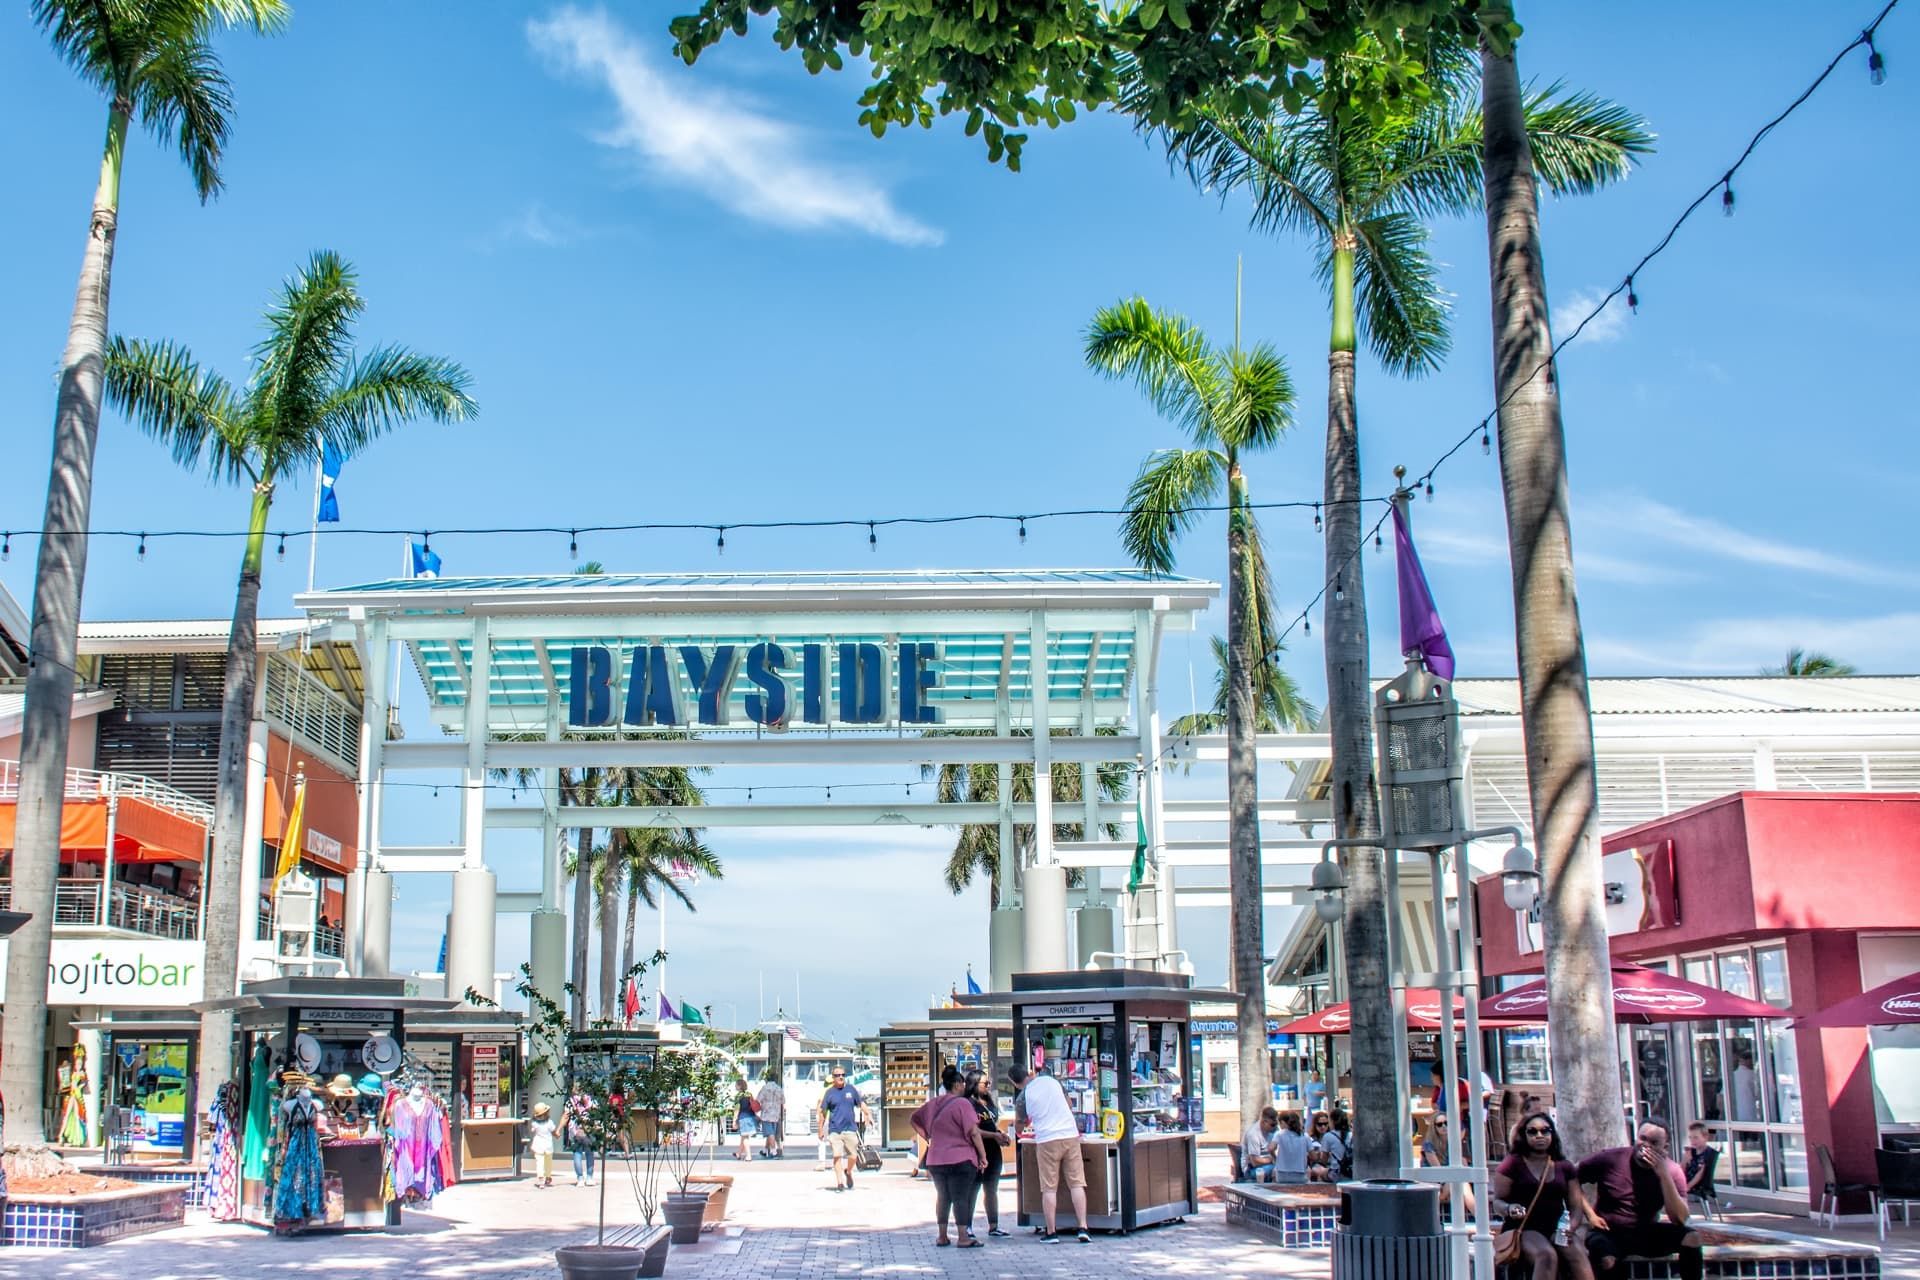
x=141, y=550
x=1726, y=195
x=873, y=539
x=1306, y=624
x=281, y=553
x=1633, y=299
x=1316, y=517
x=1339, y=590
x=1876, y=65
x=1486, y=441
x=1023, y=531
x=1429, y=488
x=1379, y=540
x=6, y=547
x=573, y=544
x=721, y=544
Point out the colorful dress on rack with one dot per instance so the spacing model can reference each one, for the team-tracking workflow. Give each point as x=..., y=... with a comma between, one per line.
x=300, y=1187
x=223, y=1159
x=414, y=1141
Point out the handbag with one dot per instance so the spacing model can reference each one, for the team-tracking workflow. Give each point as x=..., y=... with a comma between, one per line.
x=1506, y=1241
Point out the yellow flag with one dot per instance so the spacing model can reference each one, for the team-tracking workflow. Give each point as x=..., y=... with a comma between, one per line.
x=290, y=841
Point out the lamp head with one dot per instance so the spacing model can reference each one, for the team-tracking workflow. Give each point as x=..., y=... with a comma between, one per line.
x=1519, y=879
x=1329, y=883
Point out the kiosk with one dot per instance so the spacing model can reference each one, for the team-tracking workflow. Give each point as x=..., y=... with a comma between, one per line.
x=326, y=1028
x=1118, y=1042
x=913, y=1054
x=597, y=1054
x=476, y=1057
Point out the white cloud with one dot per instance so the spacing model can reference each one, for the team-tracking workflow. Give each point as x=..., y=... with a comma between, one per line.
x=1610, y=325
x=1711, y=537
x=692, y=135
x=1743, y=645
x=535, y=225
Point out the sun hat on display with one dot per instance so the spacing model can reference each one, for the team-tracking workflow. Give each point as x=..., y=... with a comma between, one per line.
x=341, y=1086
x=294, y=1078
x=371, y=1085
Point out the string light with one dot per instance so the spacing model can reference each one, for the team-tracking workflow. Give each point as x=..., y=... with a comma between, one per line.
x=873, y=539
x=1876, y=65
x=1429, y=488
x=1379, y=542
x=141, y=550
x=722, y=543
x=1633, y=299
x=281, y=554
x=1726, y=195
x=573, y=544
x=6, y=547
x=1023, y=531
x=1339, y=590
x=1316, y=517
x=1306, y=624
x=1486, y=442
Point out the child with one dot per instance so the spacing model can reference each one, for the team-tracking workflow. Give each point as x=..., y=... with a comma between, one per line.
x=542, y=1144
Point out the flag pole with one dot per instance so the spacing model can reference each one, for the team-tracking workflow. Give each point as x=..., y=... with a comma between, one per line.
x=313, y=545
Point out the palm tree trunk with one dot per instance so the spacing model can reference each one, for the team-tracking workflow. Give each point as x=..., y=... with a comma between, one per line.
x=1556, y=715
x=610, y=884
x=1352, y=788
x=226, y=915
x=627, y=930
x=1248, y=961
x=582, y=917
x=55, y=642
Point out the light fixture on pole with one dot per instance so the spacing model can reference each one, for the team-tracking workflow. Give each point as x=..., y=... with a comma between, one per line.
x=1329, y=883
x=1519, y=878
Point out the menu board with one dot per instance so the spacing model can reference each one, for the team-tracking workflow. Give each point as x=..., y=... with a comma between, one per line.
x=486, y=1080
x=437, y=1057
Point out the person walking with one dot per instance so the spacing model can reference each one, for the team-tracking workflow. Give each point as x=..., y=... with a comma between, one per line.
x=842, y=1115
x=578, y=1142
x=956, y=1156
x=1056, y=1147
x=773, y=1116
x=1531, y=1188
x=540, y=1142
x=743, y=1118
x=994, y=1141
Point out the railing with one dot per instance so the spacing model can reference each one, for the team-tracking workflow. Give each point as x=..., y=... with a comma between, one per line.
x=306, y=706
x=130, y=906
x=329, y=942
x=92, y=784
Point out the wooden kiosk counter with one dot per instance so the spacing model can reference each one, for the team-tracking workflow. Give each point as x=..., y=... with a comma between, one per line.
x=1117, y=1040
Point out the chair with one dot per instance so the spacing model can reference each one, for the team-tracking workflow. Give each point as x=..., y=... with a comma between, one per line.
x=1832, y=1189
x=1899, y=1183
x=1238, y=1174
x=1709, y=1205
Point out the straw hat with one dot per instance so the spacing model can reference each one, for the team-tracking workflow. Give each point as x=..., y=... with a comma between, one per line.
x=341, y=1086
x=294, y=1078
x=541, y=1111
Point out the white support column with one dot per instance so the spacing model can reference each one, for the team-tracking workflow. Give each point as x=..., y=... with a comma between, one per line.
x=1044, y=899
x=473, y=782
x=1148, y=630
x=373, y=744
x=552, y=874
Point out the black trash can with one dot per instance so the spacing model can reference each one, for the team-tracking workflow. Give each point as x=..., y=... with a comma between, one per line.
x=1389, y=1229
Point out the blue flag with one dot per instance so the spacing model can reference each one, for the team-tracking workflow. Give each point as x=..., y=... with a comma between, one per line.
x=973, y=988
x=425, y=563
x=330, y=464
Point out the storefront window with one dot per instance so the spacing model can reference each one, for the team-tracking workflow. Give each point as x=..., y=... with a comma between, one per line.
x=1784, y=1078
x=1709, y=1092
x=1743, y=1077
x=1772, y=963
x=1700, y=970
x=149, y=1083
x=1749, y=1152
x=1217, y=1079
x=1790, y=1171
x=1736, y=974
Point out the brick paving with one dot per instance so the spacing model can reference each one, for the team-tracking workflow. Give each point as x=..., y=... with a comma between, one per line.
x=784, y=1224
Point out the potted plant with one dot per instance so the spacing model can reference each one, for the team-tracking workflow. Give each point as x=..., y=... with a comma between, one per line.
x=689, y=1100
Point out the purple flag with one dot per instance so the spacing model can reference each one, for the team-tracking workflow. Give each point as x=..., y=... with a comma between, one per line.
x=667, y=1012
x=1421, y=630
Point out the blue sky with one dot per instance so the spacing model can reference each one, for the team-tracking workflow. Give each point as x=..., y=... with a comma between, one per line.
x=703, y=294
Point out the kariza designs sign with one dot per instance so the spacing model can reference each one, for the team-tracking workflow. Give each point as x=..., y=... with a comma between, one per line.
x=124, y=973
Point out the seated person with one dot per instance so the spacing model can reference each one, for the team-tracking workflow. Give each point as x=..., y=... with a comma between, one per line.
x=1702, y=1161
x=1433, y=1154
x=1292, y=1149
x=1632, y=1187
x=1256, y=1147
x=1332, y=1147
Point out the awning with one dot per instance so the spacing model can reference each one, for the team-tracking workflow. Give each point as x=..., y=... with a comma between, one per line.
x=1891, y=1004
x=143, y=832
x=1423, y=1014
x=1640, y=995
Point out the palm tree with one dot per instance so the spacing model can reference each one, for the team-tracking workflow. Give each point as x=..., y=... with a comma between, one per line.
x=151, y=59
x=1555, y=708
x=1806, y=662
x=1279, y=706
x=307, y=390
x=1361, y=194
x=642, y=860
x=1228, y=402
x=976, y=851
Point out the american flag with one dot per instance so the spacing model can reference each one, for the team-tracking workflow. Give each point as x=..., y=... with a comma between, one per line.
x=682, y=870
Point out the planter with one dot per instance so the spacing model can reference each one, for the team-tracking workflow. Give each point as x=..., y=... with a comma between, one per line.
x=654, y=1245
x=602, y=1261
x=684, y=1214
x=718, y=1186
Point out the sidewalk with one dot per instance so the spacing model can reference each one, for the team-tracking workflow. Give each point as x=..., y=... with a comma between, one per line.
x=784, y=1223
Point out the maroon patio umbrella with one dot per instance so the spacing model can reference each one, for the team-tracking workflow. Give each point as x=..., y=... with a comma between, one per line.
x=1891, y=1004
x=1639, y=995
x=1423, y=1014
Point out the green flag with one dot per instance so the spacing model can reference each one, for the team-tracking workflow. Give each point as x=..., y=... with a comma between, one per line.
x=1138, y=874
x=691, y=1016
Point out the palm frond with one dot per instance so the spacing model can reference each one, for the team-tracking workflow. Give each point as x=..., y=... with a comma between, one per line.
x=1274, y=159
x=1161, y=503
x=1258, y=407
x=388, y=387
x=1582, y=142
x=309, y=337
x=1163, y=354
x=183, y=97
x=170, y=397
x=1403, y=311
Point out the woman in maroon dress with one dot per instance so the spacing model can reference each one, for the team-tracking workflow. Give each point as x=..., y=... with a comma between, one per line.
x=1531, y=1189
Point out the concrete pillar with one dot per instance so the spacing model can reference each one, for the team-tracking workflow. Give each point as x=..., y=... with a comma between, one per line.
x=368, y=789
x=377, y=940
x=470, y=935
x=1043, y=854
x=353, y=942
x=1093, y=931
x=547, y=958
x=1044, y=926
x=1004, y=947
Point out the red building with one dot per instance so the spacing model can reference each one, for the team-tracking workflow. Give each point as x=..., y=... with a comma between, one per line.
x=1800, y=899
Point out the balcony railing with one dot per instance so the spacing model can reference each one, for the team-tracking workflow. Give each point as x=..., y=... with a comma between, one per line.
x=305, y=706
x=76, y=903
x=92, y=784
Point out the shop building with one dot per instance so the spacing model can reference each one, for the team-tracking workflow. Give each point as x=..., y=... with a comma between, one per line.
x=1799, y=899
x=135, y=829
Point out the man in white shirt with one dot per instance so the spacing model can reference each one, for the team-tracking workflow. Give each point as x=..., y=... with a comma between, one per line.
x=1056, y=1147
x=1256, y=1147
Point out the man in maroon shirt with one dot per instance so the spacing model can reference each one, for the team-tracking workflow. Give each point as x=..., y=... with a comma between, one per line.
x=1632, y=1186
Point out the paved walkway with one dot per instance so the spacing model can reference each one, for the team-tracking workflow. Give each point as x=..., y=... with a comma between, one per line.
x=785, y=1224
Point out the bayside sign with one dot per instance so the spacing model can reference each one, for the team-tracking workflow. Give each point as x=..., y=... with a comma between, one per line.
x=875, y=687
x=149, y=973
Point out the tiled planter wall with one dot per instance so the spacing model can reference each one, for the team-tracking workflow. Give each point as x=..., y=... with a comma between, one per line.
x=80, y=1222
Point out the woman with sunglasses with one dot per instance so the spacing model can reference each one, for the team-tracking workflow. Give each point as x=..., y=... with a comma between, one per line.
x=1532, y=1187
x=993, y=1139
x=1433, y=1153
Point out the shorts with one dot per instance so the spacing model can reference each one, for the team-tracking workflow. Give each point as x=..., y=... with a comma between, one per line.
x=1056, y=1157
x=844, y=1144
x=769, y=1125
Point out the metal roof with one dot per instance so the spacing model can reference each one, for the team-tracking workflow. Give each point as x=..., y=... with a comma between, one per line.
x=86, y=702
x=1692, y=695
x=179, y=634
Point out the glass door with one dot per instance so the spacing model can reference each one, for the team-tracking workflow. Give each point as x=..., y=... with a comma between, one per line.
x=149, y=1083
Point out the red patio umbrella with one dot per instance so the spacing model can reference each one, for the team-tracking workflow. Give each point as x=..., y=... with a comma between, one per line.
x=1891, y=1004
x=1423, y=1014
x=1639, y=995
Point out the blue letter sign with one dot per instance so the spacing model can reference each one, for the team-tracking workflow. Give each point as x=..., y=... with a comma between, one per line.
x=869, y=693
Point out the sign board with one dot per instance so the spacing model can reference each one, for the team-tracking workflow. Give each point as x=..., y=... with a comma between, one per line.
x=123, y=973
x=875, y=686
x=1641, y=891
x=322, y=846
x=1034, y=1011
x=346, y=1017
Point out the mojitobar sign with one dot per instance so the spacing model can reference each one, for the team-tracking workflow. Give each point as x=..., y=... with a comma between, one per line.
x=787, y=684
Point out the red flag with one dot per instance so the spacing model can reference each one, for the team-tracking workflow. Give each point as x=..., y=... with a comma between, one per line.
x=631, y=1006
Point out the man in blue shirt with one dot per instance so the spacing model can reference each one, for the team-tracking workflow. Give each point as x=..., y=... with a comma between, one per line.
x=842, y=1114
